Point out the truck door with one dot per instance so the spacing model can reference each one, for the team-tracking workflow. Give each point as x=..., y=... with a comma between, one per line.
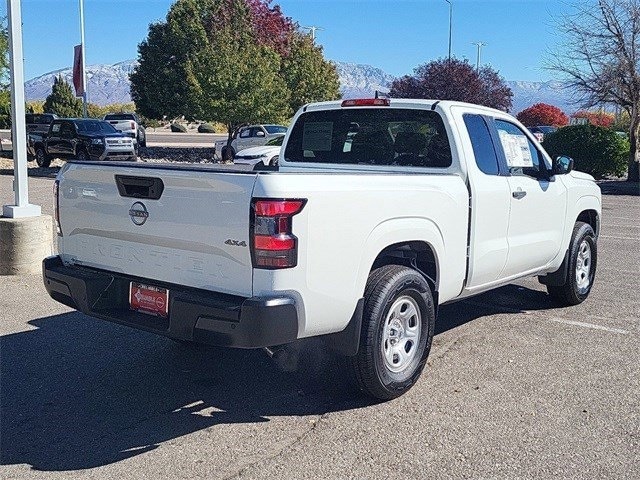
x=66, y=146
x=538, y=202
x=489, y=188
x=53, y=139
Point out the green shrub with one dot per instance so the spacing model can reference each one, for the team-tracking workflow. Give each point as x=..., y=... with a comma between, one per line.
x=176, y=127
x=206, y=128
x=597, y=151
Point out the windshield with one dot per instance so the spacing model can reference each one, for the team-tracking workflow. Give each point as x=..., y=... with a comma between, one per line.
x=275, y=142
x=271, y=129
x=547, y=129
x=95, y=126
x=119, y=116
x=370, y=136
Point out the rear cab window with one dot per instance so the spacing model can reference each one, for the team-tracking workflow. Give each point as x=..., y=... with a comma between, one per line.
x=370, y=136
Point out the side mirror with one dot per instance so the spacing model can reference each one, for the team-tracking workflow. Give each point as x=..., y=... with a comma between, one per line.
x=562, y=165
x=260, y=133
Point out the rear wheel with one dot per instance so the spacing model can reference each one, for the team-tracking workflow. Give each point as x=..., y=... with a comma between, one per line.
x=397, y=329
x=42, y=159
x=82, y=155
x=581, y=271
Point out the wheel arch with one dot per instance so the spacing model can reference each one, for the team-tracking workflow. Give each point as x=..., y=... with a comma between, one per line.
x=414, y=242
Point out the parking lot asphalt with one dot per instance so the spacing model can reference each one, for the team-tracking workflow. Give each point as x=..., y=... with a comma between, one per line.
x=514, y=388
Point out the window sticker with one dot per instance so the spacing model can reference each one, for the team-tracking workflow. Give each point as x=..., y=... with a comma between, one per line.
x=316, y=136
x=516, y=149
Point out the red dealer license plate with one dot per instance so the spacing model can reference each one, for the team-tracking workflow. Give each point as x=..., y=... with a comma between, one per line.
x=149, y=299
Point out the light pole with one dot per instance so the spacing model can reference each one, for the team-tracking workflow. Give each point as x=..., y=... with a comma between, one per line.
x=450, y=23
x=312, y=30
x=479, y=45
x=84, y=75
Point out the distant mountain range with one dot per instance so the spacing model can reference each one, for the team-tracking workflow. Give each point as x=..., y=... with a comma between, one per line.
x=108, y=84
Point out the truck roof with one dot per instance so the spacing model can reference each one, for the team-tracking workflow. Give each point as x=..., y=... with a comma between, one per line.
x=418, y=102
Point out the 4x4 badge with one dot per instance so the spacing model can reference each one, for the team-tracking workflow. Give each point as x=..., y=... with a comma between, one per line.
x=138, y=213
x=236, y=243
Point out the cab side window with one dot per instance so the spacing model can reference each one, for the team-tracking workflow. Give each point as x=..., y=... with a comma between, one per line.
x=245, y=133
x=523, y=158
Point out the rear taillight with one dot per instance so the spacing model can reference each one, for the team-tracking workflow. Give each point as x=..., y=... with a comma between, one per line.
x=133, y=126
x=56, y=206
x=273, y=243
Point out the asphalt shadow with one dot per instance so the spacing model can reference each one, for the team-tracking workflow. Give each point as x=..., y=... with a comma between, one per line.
x=79, y=393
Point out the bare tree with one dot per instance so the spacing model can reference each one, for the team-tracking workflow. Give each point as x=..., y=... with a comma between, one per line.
x=601, y=58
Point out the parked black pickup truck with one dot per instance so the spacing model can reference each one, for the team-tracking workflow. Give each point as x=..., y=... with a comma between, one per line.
x=82, y=139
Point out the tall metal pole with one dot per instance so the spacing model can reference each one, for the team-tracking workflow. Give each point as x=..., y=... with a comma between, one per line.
x=450, y=24
x=22, y=208
x=479, y=45
x=84, y=75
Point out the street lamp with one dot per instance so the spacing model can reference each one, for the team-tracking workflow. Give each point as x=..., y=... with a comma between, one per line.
x=313, y=30
x=479, y=45
x=450, y=23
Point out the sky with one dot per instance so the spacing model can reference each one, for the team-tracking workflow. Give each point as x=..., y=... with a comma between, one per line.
x=394, y=35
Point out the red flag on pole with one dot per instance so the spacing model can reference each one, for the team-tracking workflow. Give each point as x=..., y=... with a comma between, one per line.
x=77, y=70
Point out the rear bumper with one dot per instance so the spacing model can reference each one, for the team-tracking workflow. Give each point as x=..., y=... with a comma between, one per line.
x=198, y=315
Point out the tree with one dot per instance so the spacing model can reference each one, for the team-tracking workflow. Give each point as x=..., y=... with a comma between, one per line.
x=309, y=77
x=601, y=61
x=175, y=50
x=445, y=79
x=244, y=88
x=542, y=114
x=599, y=119
x=62, y=101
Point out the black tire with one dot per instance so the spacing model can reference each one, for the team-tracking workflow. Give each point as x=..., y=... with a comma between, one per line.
x=274, y=161
x=388, y=287
x=581, y=269
x=224, y=154
x=143, y=142
x=82, y=155
x=41, y=157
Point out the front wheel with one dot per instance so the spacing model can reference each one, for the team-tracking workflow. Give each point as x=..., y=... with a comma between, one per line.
x=82, y=155
x=397, y=330
x=42, y=159
x=581, y=271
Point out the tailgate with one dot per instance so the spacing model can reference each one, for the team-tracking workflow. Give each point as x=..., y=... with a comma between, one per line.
x=186, y=227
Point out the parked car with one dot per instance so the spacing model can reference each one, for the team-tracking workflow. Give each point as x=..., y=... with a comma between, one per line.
x=39, y=122
x=250, y=136
x=540, y=131
x=434, y=201
x=267, y=154
x=82, y=139
x=129, y=124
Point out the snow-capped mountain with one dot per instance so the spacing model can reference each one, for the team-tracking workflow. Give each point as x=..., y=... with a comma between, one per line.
x=108, y=84
x=358, y=80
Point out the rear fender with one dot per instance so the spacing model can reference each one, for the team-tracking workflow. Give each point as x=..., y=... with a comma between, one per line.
x=395, y=231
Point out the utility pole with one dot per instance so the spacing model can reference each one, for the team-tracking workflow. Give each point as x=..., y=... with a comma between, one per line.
x=450, y=24
x=84, y=75
x=312, y=30
x=479, y=45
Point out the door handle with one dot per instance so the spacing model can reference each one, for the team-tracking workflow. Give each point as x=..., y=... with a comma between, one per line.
x=519, y=194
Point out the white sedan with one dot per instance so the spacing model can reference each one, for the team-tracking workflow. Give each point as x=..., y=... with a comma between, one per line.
x=267, y=154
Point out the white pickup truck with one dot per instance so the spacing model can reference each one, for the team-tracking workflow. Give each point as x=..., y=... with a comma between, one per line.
x=380, y=211
x=129, y=124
